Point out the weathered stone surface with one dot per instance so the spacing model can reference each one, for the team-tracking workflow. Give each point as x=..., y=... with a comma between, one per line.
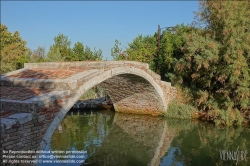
x=16, y=106
x=48, y=97
x=2, y=128
x=21, y=117
x=8, y=123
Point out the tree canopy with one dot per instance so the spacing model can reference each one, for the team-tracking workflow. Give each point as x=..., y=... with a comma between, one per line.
x=13, y=49
x=144, y=49
x=66, y=53
x=14, y=52
x=215, y=65
x=209, y=58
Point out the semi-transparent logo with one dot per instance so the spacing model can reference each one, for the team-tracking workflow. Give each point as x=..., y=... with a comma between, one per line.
x=236, y=155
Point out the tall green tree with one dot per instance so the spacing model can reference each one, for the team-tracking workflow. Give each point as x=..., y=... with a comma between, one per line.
x=170, y=50
x=117, y=53
x=145, y=49
x=13, y=49
x=92, y=55
x=82, y=53
x=62, y=43
x=142, y=49
x=78, y=51
x=54, y=55
x=215, y=64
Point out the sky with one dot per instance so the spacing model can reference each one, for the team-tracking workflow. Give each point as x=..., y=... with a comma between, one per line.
x=96, y=24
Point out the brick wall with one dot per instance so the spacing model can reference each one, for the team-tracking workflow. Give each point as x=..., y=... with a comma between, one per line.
x=18, y=134
x=133, y=94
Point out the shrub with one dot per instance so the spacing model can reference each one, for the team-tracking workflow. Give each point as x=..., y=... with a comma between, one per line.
x=180, y=110
x=227, y=117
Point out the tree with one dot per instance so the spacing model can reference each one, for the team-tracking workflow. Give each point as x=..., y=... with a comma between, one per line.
x=5, y=36
x=117, y=53
x=144, y=49
x=92, y=55
x=38, y=55
x=54, y=55
x=63, y=44
x=170, y=50
x=13, y=48
x=78, y=51
x=82, y=53
x=215, y=64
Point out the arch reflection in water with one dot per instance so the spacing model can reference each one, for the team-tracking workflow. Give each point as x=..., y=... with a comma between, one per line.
x=127, y=139
x=114, y=138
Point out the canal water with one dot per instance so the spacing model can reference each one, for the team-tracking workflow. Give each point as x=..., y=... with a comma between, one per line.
x=107, y=138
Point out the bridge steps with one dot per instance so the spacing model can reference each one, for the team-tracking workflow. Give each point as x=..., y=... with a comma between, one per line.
x=53, y=84
x=15, y=119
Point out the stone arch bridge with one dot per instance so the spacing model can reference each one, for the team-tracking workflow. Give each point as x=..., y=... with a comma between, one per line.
x=35, y=99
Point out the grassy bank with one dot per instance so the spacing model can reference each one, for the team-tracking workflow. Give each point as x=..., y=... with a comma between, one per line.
x=183, y=108
x=180, y=110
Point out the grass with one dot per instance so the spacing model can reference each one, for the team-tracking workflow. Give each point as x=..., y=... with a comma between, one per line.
x=93, y=93
x=180, y=110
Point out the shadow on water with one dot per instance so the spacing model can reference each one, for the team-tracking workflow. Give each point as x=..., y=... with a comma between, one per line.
x=126, y=139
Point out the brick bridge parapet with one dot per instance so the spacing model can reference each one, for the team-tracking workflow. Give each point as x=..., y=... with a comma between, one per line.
x=35, y=99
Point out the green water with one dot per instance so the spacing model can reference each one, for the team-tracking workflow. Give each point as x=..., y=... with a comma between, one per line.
x=138, y=140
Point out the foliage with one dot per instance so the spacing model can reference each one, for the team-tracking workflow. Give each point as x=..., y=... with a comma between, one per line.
x=7, y=39
x=54, y=55
x=81, y=54
x=183, y=95
x=170, y=51
x=38, y=55
x=14, y=52
x=210, y=60
x=62, y=43
x=78, y=51
x=179, y=110
x=215, y=65
x=66, y=53
x=92, y=55
x=92, y=93
x=89, y=94
x=226, y=118
x=144, y=49
x=117, y=53
x=13, y=49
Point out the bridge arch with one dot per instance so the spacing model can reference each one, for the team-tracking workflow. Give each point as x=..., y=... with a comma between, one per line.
x=156, y=107
x=46, y=98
